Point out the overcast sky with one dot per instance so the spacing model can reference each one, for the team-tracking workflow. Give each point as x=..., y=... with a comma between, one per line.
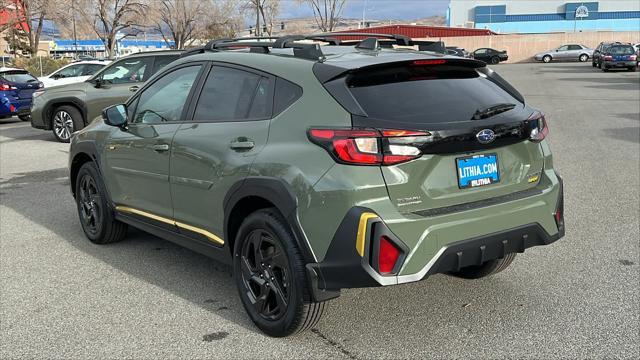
x=376, y=9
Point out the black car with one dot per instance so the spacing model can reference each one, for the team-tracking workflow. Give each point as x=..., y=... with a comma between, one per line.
x=490, y=56
x=456, y=51
x=598, y=54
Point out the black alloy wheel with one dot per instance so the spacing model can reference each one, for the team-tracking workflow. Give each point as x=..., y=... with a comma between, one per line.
x=265, y=274
x=90, y=205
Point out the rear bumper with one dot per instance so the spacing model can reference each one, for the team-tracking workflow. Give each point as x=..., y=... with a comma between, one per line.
x=348, y=266
x=621, y=64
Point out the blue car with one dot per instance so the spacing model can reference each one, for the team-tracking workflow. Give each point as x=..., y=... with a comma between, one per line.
x=16, y=89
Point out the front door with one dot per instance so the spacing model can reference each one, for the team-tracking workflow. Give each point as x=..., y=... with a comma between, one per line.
x=216, y=148
x=137, y=159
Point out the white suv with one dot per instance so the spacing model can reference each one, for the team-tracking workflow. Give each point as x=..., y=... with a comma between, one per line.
x=75, y=72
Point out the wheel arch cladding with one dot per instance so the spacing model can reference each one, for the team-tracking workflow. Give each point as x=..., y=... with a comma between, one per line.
x=83, y=153
x=254, y=193
x=53, y=105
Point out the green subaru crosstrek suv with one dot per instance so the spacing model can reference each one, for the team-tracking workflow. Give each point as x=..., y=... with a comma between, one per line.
x=68, y=108
x=316, y=168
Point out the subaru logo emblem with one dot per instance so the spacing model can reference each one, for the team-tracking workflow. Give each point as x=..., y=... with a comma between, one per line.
x=485, y=136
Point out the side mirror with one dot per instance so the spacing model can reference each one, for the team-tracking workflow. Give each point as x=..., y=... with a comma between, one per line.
x=98, y=83
x=115, y=115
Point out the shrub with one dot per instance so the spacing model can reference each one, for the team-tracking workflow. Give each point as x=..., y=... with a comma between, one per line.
x=32, y=65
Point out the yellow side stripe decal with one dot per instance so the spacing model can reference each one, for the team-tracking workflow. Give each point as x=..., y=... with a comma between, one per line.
x=362, y=231
x=165, y=220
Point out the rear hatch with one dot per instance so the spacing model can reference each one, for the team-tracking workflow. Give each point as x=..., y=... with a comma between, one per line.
x=24, y=82
x=471, y=128
x=622, y=53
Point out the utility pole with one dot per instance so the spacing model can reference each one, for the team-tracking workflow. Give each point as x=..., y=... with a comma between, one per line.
x=258, y=30
x=75, y=37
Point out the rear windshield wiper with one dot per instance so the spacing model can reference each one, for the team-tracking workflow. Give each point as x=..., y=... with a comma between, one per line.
x=492, y=111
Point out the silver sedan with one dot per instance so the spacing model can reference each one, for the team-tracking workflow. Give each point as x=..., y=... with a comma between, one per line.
x=571, y=52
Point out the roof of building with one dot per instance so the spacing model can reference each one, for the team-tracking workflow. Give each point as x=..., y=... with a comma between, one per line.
x=418, y=31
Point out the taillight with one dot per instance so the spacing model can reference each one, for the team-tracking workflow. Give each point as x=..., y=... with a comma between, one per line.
x=608, y=57
x=7, y=87
x=538, y=127
x=370, y=146
x=387, y=256
x=633, y=57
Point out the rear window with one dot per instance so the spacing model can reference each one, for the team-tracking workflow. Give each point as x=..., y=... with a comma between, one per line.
x=621, y=50
x=17, y=76
x=426, y=94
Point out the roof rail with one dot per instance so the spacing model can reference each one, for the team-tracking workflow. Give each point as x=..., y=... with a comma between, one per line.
x=400, y=39
x=310, y=51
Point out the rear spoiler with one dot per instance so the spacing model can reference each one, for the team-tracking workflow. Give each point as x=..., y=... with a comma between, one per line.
x=325, y=72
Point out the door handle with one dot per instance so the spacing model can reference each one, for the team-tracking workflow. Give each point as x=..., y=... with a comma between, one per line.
x=160, y=147
x=134, y=88
x=242, y=144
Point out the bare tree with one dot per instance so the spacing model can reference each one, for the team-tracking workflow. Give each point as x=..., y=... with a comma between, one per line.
x=23, y=14
x=267, y=10
x=326, y=12
x=224, y=20
x=179, y=20
x=109, y=17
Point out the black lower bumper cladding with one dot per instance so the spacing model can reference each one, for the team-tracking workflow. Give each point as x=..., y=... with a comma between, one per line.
x=343, y=267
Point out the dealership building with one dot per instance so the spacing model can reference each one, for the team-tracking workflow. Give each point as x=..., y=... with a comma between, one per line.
x=536, y=16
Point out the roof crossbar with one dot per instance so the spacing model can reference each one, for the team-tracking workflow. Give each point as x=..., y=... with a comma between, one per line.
x=400, y=39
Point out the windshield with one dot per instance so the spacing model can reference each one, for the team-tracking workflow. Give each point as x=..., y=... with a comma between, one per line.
x=428, y=94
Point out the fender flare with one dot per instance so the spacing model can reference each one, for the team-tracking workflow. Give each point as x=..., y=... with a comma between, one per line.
x=51, y=104
x=280, y=194
x=84, y=147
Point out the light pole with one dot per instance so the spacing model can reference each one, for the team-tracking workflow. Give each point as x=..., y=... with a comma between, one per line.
x=75, y=37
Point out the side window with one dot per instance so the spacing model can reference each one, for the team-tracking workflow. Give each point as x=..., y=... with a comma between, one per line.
x=563, y=48
x=234, y=95
x=127, y=71
x=575, y=47
x=481, y=51
x=286, y=94
x=90, y=69
x=70, y=71
x=162, y=61
x=165, y=99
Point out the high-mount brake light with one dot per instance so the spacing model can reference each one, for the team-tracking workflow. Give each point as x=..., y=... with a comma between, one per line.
x=429, y=62
x=370, y=146
x=539, y=127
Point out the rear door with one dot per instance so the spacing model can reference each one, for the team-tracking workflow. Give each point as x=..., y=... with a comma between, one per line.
x=216, y=148
x=472, y=152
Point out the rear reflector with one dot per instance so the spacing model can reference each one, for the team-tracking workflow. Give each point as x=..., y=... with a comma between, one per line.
x=388, y=255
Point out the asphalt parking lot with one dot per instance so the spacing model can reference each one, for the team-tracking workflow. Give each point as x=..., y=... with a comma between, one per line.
x=62, y=297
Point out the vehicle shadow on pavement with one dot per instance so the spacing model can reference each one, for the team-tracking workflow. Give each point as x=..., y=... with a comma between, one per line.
x=445, y=302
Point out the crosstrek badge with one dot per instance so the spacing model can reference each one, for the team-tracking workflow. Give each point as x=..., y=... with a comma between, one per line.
x=477, y=170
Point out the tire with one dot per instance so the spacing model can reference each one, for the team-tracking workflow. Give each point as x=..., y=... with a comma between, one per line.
x=495, y=60
x=64, y=121
x=583, y=58
x=593, y=64
x=491, y=267
x=632, y=69
x=599, y=65
x=546, y=59
x=96, y=217
x=24, y=117
x=604, y=68
x=274, y=289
